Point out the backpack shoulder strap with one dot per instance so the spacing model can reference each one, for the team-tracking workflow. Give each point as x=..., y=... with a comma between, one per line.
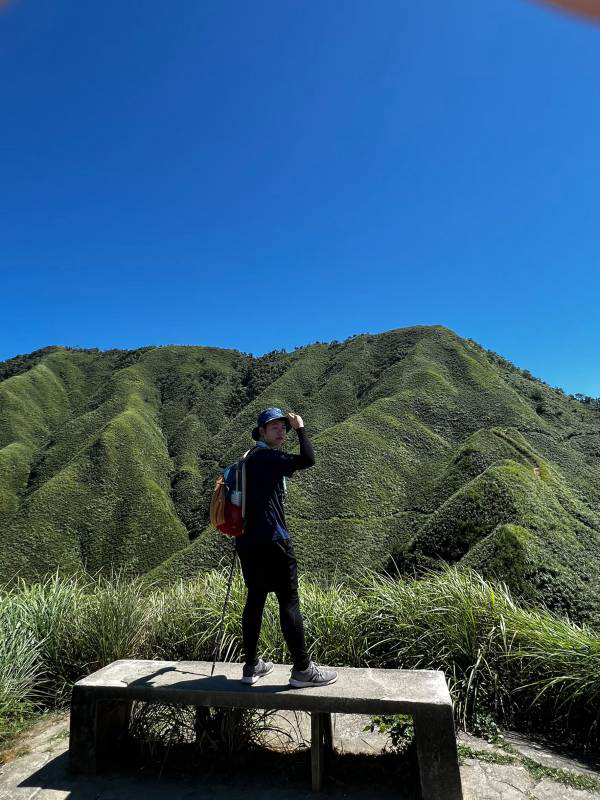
x=251, y=452
x=244, y=458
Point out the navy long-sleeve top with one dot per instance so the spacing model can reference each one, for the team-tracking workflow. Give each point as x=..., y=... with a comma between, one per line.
x=266, y=468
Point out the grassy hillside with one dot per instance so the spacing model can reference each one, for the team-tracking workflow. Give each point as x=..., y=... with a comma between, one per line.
x=428, y=448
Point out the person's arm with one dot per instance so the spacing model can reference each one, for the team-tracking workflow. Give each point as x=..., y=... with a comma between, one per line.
x=287, y=463
x=307, y=454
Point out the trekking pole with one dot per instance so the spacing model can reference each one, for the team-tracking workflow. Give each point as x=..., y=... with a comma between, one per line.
x=219, y=642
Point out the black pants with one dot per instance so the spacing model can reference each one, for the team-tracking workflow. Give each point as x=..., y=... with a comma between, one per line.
x=272, y=568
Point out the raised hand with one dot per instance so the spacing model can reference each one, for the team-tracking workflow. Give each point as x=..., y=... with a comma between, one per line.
x=295, y=420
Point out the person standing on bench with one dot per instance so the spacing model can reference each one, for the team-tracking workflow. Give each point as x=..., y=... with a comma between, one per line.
x=265, y=549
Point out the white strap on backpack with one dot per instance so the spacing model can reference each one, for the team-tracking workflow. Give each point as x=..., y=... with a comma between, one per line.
x=244, y=458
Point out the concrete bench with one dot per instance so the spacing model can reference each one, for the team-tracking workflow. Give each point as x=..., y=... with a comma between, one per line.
x=101, y=704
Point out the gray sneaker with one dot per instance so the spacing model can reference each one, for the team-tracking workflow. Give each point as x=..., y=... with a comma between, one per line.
x=311, y=676
x=250, y=673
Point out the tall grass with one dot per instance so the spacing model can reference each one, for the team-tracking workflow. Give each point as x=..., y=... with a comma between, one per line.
x=20, y=666
x=521, y=666
x=452, y=621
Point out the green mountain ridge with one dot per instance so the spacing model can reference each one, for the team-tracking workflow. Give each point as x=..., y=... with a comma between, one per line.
x=428, y=447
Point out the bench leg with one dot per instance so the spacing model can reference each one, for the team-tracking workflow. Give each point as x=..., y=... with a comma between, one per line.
x=97, y=727
x=321, y=742
x=437, y=754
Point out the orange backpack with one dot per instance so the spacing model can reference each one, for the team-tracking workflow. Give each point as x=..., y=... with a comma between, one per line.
x=228, y=503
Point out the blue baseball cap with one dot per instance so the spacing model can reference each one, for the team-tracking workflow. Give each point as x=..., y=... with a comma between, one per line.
x=268, y=415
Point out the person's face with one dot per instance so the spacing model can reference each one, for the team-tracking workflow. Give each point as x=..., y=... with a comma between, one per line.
x=274, y=432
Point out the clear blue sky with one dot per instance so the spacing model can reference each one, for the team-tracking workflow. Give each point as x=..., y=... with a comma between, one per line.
x=262, y=175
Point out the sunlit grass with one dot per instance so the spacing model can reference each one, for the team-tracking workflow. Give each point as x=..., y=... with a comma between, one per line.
x=526, y=667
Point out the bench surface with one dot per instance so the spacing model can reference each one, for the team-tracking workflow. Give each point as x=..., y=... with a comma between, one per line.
x=357, y=690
